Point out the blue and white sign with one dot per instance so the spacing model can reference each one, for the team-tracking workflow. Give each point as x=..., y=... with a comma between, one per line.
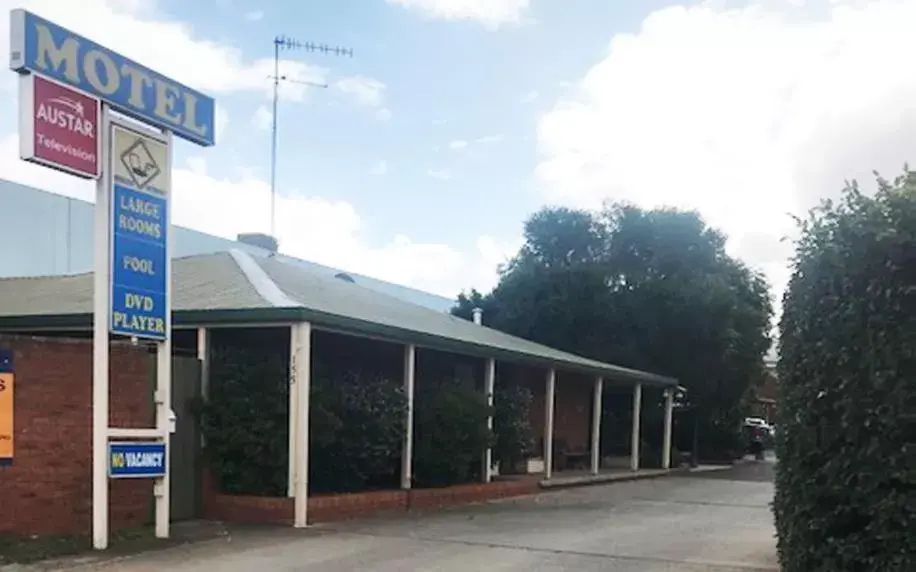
x=40, y=46
x=137, y=460
x=139, y=235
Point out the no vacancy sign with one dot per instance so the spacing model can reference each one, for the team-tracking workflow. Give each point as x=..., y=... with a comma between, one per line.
x=59, y=126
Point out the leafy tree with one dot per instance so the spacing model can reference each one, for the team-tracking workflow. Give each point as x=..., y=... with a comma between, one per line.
x=846, y=478
x=650, y=289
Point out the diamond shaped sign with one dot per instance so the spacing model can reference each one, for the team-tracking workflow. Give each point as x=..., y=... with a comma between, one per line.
x=140, y=164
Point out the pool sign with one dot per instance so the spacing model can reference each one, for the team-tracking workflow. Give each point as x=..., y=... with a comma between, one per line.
x=137, y=460
x=59, y=126
x=139, y=234
x=42, y=47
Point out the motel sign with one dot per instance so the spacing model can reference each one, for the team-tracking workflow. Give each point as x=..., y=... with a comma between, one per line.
x=69, y=86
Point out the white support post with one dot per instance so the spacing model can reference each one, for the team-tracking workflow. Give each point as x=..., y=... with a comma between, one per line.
x=596, y=425
x=302, y=379
x=293, y=415
x=162, y=488
x=634, y=436
x=410, y=369
x=549, y=398
x=163, y=410
x=666, y=436
x=203, y=355
x=489, y=384
x=100, y=299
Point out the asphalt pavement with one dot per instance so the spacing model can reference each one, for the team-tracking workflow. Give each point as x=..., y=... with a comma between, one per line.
x=714, y=521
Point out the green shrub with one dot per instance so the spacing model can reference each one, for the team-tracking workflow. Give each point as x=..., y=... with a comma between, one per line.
x=846, y=476
x=450, y=433
x=514, y=439
x=356, y=423
x=245, y=422
x=356, y=434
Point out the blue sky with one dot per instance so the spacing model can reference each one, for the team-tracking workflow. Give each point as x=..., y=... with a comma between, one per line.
x=456, y=119
x=445, y=82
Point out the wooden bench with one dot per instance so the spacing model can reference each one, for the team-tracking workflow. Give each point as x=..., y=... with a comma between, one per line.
x=567, y=457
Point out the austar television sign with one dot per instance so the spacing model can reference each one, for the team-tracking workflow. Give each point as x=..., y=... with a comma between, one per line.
x=59, y=127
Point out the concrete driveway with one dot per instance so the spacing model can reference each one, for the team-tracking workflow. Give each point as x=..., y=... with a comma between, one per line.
x=716, y=522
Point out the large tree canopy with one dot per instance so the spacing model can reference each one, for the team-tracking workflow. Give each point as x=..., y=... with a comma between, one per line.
x=650, y=289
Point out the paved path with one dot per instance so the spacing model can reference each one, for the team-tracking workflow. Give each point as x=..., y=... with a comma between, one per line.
x=714, y=522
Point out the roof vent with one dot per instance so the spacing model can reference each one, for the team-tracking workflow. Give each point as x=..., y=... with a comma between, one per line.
x=478, y=316
x=260, y=240
x=345, y=277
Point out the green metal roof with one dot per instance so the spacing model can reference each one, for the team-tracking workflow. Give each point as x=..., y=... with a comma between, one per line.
x=237, y=287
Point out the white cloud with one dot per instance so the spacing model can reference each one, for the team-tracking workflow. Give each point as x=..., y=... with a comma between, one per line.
x=254, y=16
x=262, y=118
x=461, y=144
x=490, y=139
x=383, y=114
x=365, y=90
x=530, y=96
x=490, y=13
x=746, y=113
x=379, y=168
x=226, y=203
x=441, y=174
x=221, y=116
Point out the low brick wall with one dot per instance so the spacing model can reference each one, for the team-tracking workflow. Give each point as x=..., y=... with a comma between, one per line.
x=330, y=508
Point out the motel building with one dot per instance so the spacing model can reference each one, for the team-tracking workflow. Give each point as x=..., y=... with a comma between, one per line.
x=98, y=423
x=244, y=288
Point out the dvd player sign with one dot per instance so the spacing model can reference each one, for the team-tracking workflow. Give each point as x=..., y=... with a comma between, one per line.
x=59, y=126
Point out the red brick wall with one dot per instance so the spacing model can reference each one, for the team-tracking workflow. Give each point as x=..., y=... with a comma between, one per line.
x=572, y=408
x=329, y=508
x=48, y=489
x=573, y=411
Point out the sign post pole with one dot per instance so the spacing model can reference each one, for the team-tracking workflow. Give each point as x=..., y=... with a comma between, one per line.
x=100, y=295
x=164, y=367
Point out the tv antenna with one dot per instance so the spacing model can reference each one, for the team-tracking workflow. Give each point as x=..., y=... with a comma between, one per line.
x=283, y=42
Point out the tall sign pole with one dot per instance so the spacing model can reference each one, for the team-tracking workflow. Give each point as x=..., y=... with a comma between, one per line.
x=71, y=93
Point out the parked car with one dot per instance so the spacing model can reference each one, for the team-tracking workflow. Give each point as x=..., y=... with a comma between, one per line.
x=756, y=437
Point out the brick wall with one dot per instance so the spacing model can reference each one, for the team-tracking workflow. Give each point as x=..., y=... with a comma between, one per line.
x=572, y=408
x=48, y=489
x=572, y=420
x=329, y=508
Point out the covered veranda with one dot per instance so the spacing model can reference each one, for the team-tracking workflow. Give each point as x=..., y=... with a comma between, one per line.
x=239, y=290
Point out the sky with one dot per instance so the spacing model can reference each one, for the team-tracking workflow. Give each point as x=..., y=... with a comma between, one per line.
x=456, y=119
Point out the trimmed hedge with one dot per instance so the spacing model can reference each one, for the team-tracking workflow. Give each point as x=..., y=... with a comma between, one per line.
x=356, y=419
x=450, y=432
x=846, y=476
x=514, y=438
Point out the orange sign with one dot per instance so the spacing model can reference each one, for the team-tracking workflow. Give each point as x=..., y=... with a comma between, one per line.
x=7, y=381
